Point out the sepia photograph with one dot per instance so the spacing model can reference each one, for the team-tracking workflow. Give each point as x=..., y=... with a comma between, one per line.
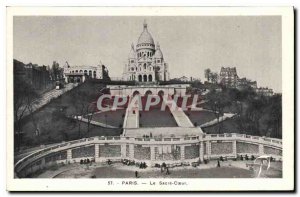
x=150, y=99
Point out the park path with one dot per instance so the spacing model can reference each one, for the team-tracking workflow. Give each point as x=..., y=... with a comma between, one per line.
x=95, y=123
x=180, y=117
x=221, y=119
x=48, y=96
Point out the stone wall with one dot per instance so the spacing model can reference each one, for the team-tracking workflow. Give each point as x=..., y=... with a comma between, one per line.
x=88, y=151
x=242, y=147
x=219, y=148
x=169, y=153
x=61, y=155
x=191, y=152
x=142, y=153
x=108, y=150
x=272, y=151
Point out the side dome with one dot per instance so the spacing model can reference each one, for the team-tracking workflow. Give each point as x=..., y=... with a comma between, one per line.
x=132, y=54
x=158, y=54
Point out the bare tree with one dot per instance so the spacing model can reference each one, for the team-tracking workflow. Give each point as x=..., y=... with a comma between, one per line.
x=84, y=108
x=90, y=111
x=217, y=101
x=207, y=73
x=24, y=97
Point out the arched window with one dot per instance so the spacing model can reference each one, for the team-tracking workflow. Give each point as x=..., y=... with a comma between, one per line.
x=148, y=92
x=145, y=65
x=140, y=78
x=136, y=93
x=160, y=93
x=150, y=78
x=145, y=78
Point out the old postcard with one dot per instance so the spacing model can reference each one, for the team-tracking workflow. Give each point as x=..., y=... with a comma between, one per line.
x=150, y=99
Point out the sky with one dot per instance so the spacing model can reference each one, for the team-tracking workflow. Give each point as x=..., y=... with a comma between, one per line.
x=190, y=44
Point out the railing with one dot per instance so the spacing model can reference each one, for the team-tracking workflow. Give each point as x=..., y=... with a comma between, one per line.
x=228, y=136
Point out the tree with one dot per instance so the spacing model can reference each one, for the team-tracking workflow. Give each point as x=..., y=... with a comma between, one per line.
x=274, y=116
x=90, y=111
x=55, y=71
x=79, y=105
x=217, y=101
x=207, y=73
x=214, y=77
x=254, y=113
x=24, y=97
x=84, y=107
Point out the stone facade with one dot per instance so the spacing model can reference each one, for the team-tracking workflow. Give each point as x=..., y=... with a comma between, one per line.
x=145, y=61
x=81, y=73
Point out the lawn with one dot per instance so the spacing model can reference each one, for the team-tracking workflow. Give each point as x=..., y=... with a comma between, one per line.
x=227, y=126
x=113, y=118
x=54, y=120
x=157, y=118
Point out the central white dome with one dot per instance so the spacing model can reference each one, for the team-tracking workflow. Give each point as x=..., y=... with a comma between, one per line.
x=145, y=37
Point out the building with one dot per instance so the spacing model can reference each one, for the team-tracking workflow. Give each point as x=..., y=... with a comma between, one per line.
x=36, y=76
x=81, y=73
x=146, y=61
x=183, y=79
x=243, y=83
x=228, y=77
x=264, y=91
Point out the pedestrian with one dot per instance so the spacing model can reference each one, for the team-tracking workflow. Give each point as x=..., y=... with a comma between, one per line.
x=218, y=164
x=167, y=173
x=136, y=174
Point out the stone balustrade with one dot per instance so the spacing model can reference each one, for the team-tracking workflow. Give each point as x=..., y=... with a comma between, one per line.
x=213, y=145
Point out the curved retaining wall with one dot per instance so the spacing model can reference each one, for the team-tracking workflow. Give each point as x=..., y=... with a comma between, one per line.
x=150, y=150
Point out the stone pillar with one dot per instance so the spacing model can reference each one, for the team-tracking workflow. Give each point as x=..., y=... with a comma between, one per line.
x=131, y=151
x=234, y=149
x=208, y=149
x=96, y=150
x=260, y=149
x=123, y=150
x=201, y=151
x=182, y=152
x=152, y=150
x=69, y=155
